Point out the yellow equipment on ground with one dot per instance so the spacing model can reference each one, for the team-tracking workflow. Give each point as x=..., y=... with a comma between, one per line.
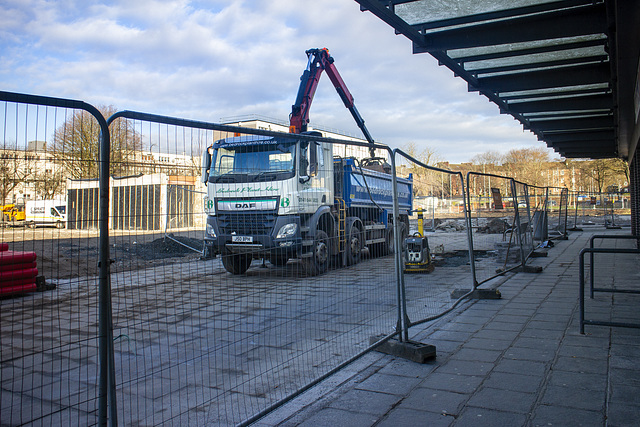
x=417, y=258
x=12, y=213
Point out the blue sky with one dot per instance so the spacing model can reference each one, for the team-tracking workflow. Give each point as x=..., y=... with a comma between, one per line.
x=207, y=60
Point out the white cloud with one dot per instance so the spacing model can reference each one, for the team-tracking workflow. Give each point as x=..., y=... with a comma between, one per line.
x=211, y=59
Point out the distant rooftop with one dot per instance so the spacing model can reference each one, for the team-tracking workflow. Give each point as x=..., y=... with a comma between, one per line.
x=251, y=117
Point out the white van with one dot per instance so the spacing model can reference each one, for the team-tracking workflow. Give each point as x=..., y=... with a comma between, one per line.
x=46, y=212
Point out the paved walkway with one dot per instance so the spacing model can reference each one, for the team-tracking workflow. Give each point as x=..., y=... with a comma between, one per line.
x=517, y=361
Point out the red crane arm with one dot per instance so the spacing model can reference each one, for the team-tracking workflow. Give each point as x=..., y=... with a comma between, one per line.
x=319, y=60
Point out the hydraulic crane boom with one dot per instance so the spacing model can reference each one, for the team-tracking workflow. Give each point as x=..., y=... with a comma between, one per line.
x=319, y=60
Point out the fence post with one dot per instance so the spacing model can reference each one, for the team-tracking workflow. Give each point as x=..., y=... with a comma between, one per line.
x=107, y=368
x=467, y=214
x=402, y=324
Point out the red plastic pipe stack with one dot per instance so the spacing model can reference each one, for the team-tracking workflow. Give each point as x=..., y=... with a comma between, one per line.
x=18, y=271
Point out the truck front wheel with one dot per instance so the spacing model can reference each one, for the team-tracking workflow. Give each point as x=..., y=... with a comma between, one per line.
x=236, y=263
x=318, y=263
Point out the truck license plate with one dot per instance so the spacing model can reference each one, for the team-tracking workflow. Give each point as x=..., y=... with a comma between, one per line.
x=242, y=239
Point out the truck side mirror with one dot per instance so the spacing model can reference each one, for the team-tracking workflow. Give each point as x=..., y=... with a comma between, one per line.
x=206, y=165
x=304, y=163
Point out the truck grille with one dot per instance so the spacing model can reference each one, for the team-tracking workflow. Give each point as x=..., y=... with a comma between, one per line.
x=247, y=223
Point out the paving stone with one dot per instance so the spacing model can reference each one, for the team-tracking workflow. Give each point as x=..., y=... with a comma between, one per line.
x=496, y=335
x=578, y=380
x=628, y=394
x=583, y=352
x=364, y=401
x=503, y=400
x=407, y=368
x=542, y=333
x=573, y=397
x=412, y=417
x=385, y=383
x=504, y=326
x=476, y=355
x=545, y=415
x=439, y=401
x=514, y=382
x=337, y=417
x=534, y=354
x=457, y=336
x=525, y=367
x=487, y=344
x=480, y=417
x=464, y=367
x=452, y=382
x=581, y=364
x=545, y=325
x=528, y=342
x=620, y=415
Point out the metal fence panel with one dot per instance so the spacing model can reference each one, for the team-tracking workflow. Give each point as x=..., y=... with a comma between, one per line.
x=197, y=344
x=49, y=332
x=436, y=267
x=496, y=230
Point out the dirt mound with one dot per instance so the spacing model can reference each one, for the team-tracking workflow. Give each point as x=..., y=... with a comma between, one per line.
x=164, y=248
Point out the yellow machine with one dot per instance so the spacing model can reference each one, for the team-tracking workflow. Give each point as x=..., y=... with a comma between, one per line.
x=12, y=213
x=417, y=258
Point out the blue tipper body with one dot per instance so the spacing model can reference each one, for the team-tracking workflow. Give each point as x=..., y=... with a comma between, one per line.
x=380, y=188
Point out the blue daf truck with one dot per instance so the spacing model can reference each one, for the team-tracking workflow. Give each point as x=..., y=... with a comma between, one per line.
x=282, y=198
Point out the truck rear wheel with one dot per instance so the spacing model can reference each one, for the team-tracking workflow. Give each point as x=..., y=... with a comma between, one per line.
x=236, y=263
x=31, y=225
x=318, y=263
x=354, y=246
x=59, y=224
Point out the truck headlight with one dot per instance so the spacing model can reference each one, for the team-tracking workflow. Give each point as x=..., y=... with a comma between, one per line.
x=287, y=230
x=210, y=231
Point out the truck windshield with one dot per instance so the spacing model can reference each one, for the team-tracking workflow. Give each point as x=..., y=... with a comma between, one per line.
x=267, y=160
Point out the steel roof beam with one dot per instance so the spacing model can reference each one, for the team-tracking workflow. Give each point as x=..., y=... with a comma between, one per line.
x=544, y=79
x=577, y=124
x=590, y=102
x=537, y=65
x=554, y=47
x=500, y=14
x=555, y=94
x=579, y=21
x=594, y=144
x=594, y=135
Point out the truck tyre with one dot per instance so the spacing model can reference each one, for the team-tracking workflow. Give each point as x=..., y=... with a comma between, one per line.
x=354, y=245
x=391, y=243
x=31, y=225
x=318, y=263
x=236, y=263
x=59, y=224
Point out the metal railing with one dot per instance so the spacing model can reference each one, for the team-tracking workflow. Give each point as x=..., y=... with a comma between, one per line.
x=591, y=250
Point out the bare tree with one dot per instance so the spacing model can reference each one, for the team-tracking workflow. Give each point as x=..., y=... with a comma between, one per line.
x=76, y=145
x=15, y=169
x=426, y=181
x=49, y=184
x=525, y=164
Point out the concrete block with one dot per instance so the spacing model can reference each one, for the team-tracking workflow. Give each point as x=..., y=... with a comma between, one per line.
x=411, y=350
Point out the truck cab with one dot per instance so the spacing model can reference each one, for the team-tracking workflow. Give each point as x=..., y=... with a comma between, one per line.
x=264, y=197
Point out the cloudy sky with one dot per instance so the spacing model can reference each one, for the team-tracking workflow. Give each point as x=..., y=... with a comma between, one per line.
x=217, y=59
